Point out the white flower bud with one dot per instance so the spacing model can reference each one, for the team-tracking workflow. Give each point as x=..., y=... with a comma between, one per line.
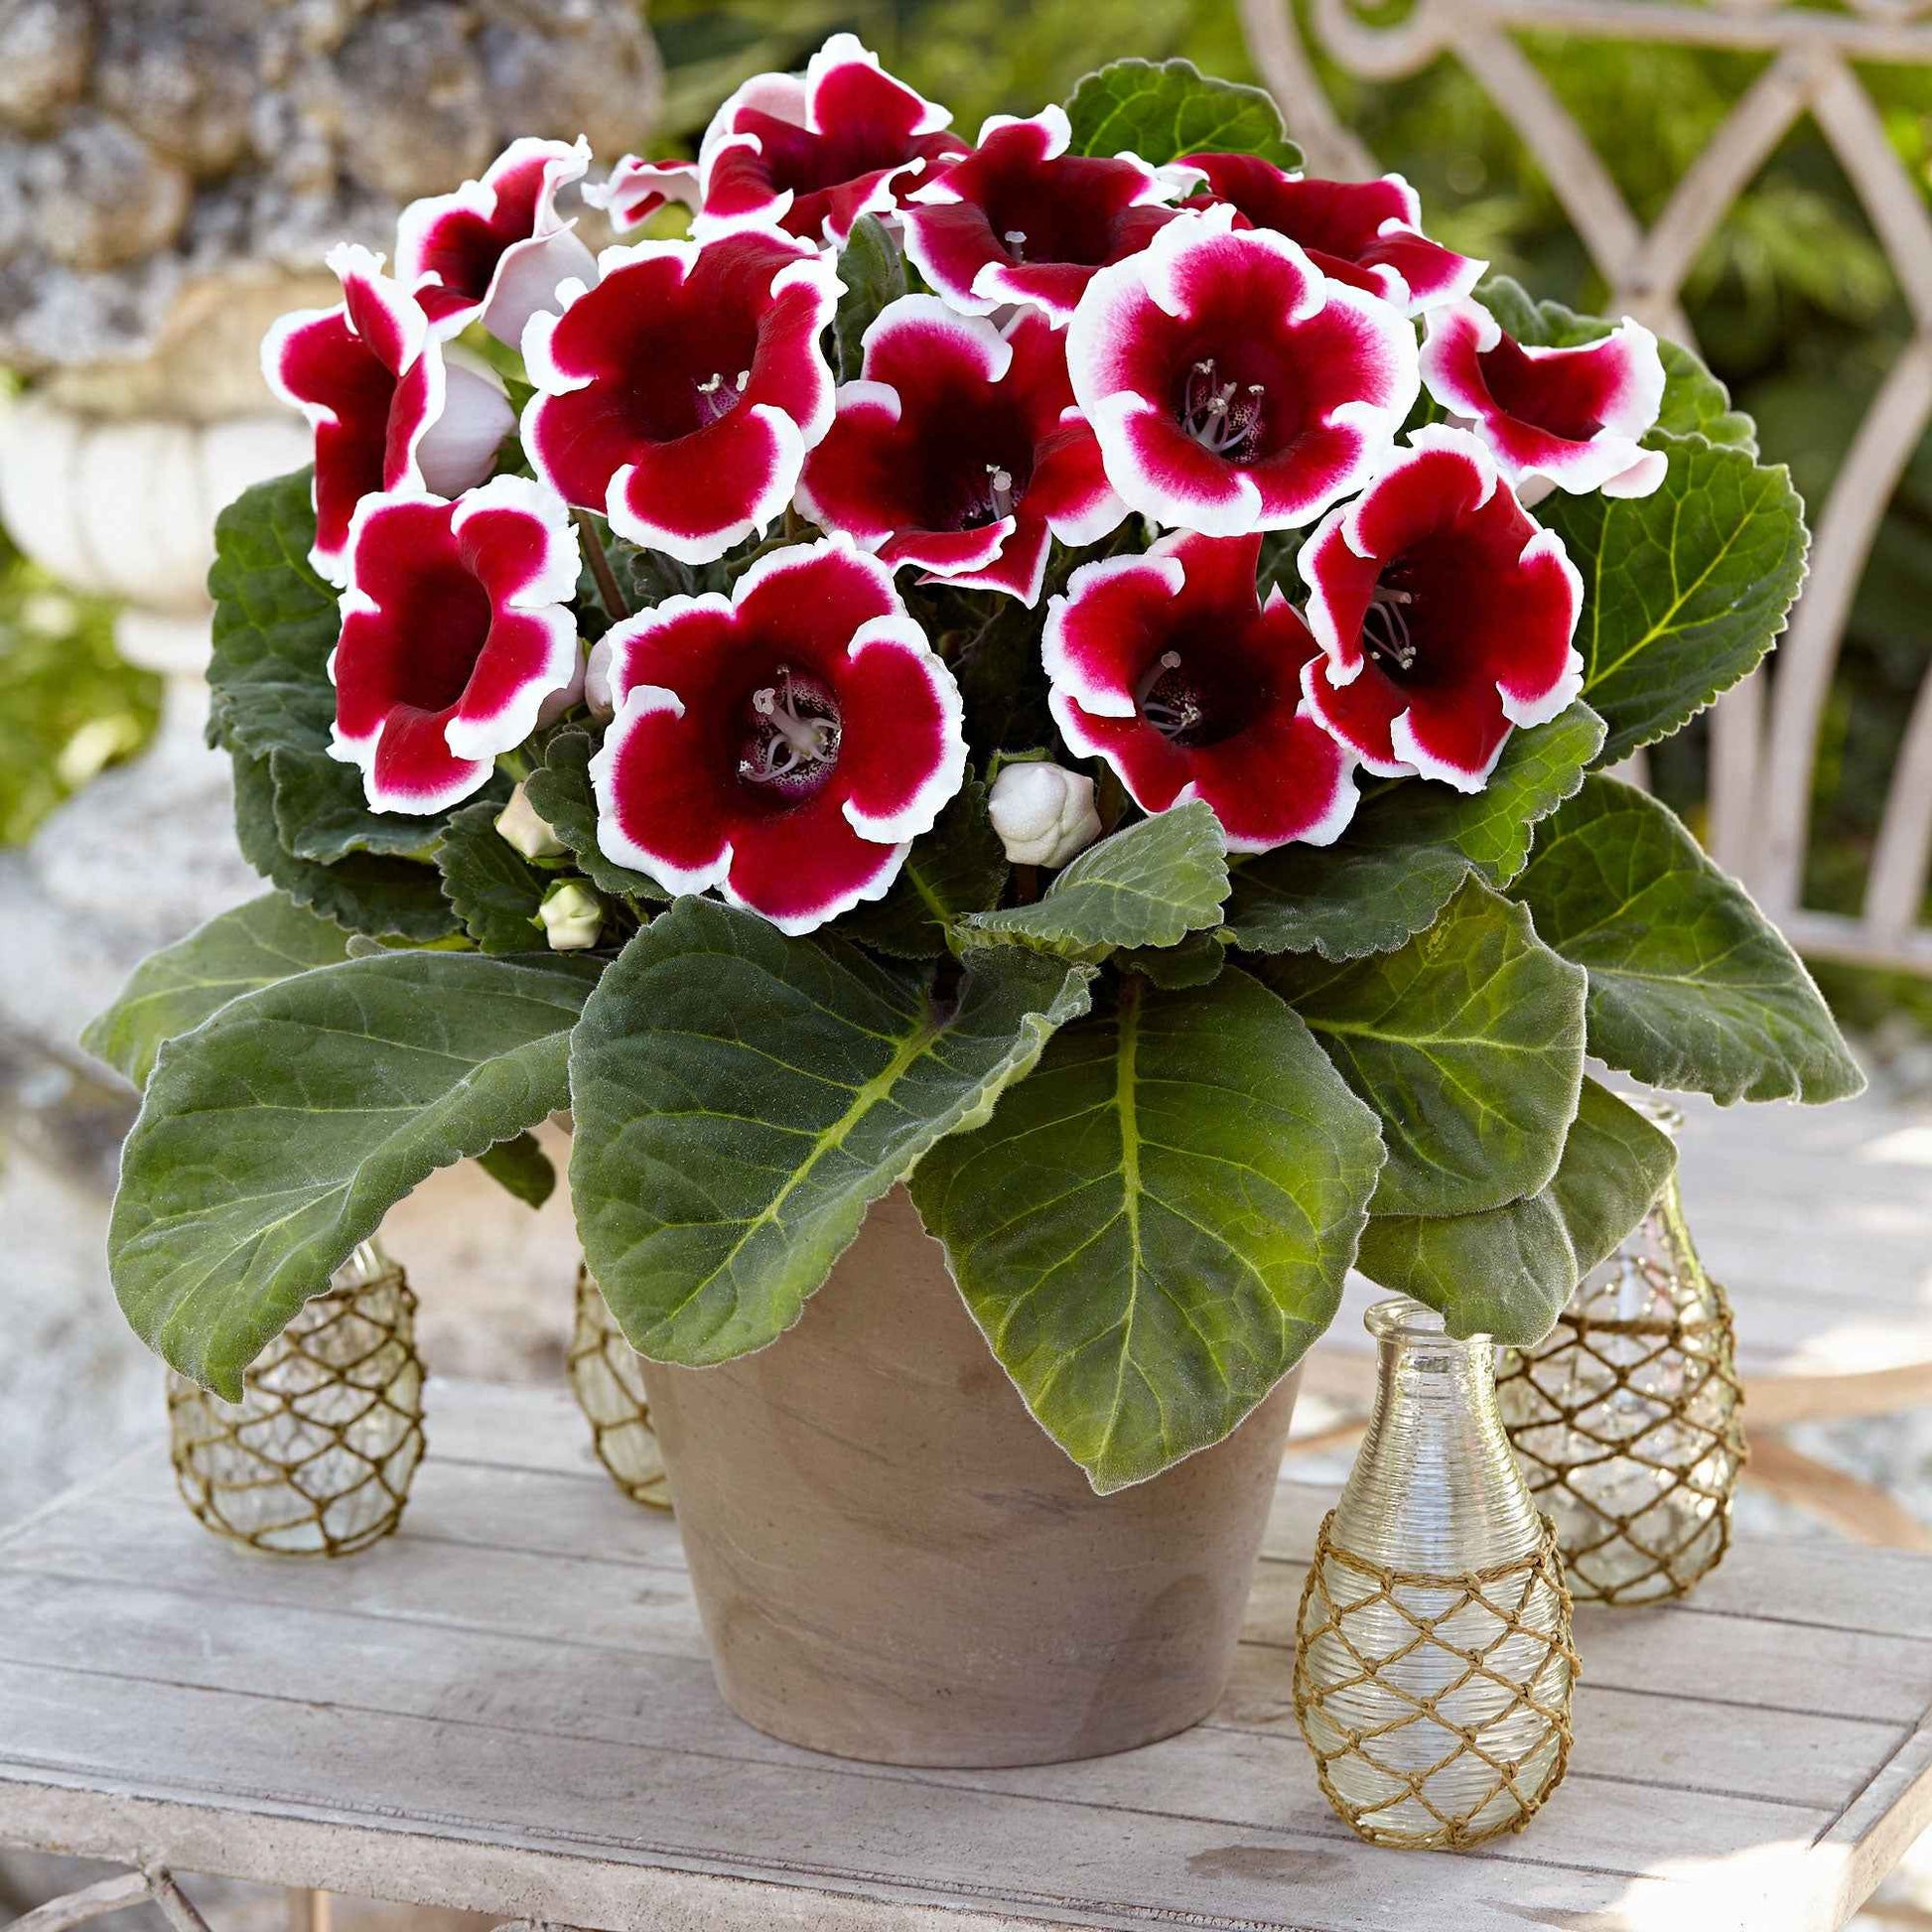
x=1044, y=814
x=533, y=836
x=571, y=915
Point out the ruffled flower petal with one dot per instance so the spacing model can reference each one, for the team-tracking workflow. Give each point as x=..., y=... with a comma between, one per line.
x=638, y=189
x=370, y=378
x=1020, y=221
x=1444, y=613
x=495, y=249
x=784, y=744
x=680, y=394
x=457, y=634
x=1169, y=667
x=1368, y=233
x=1573, y=417
x=959, y=450
x=1232, y=386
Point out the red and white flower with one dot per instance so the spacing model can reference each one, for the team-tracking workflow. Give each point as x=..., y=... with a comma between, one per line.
x=495, y=249
x=1444, y=613
x=786, y=743
x=1232, y=385
x=680, y=394
x=457, y=638
x=808, y=154
x=1368, y=233
x=1021, y=220
x=387, y=412
x=1573, y=417
x=1169, y=667
x=960, y=450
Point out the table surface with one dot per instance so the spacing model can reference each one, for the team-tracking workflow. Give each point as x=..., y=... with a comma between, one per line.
x=508, y=1708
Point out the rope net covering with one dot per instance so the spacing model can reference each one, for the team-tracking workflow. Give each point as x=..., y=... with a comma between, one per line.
x=1437, y=1707
x=608, y=1379
x=318, y=1457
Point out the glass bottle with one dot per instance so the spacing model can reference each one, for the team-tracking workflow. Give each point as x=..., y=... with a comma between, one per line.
x=317, y=1457
x=1627, y=1418
x=1432, y=1667
x=609, y=1383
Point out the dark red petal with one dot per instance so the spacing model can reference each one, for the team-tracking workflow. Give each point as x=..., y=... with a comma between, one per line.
x=1282, y=778
x=414, y=768
x=1018, y=568
x=902, y=753
x=1101, y=637
x=664, y=792
x=1154, y=772
x=814, y=597
x=1359, y=712
x=807, y=865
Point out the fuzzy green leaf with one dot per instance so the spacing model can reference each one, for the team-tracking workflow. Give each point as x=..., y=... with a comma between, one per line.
x=1468, y=1043
x=873, y=273
x=492, y=887
x=1408, y=848
x=1154, y=1227
x=1149, y=885
x=740, y=1098
x=1162, y=110
x=560, y=794
x=521, y=1168
x=322, y=813
x=1689, y=985
x=1508, y=1273
x=957, y=868
x=1685, y=590
x=276, y=1136
x=174, y=990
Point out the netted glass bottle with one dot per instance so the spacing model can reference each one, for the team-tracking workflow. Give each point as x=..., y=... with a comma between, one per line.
x=609, y=1383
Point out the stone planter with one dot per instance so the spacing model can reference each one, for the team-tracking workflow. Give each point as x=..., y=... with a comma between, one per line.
x=895, y=1563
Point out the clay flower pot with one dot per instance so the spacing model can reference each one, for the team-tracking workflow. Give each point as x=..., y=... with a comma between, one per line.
x=894, y=1562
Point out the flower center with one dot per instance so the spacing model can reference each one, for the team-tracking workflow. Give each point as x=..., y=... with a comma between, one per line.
x=994, y=499
x=1222, y=417
x=1171, y=701
x=1386, y=634
x=791, y=737
x=717, y=397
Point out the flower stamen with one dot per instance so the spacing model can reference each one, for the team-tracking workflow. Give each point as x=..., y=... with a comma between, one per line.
x=1015, y=241
x=1385, y=628
x=718, y=395
x=1224, y=418
x=1168, y=701
x=794, y=734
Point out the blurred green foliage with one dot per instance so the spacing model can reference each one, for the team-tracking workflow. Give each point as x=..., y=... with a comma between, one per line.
x=1792, y=300
x=68, y=705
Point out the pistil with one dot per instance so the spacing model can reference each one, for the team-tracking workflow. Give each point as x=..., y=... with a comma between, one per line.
x=1166, y=700
x=1222, y=417
x=717, y=397
x=794, y=735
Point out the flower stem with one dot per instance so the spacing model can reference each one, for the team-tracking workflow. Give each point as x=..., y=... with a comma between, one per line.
x=607, y=584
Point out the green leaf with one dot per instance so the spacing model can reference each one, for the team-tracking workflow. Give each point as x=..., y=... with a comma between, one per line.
x=1689, y=985
x=275, y=1137
x=1683, y=590
x=1149, y=885
x=1162, y=110
x=1468, y=1043
x=492, y=887
x=520, y=1167
x=1409, y=847
x=873, y=274
x=365, y=891
x=174, y=990
x=959, y=867
x=740, y=1098
x=1508, y=1273
x=1694, y=401
x=1197, y=961
x=560, y=794
x=322, y=813
x=275, y=622
x=1155, y=1226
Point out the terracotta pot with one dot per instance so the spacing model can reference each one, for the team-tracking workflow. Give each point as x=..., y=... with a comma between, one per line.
x=895, y=1563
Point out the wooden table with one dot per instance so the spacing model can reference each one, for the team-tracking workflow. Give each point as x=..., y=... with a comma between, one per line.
x=508, y=1709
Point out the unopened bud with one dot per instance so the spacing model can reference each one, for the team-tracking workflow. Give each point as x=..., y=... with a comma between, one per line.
x=531, y=835
x=571, y=915
x=1044, y=814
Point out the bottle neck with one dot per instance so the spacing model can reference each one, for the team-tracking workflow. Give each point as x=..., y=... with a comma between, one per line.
x=1436, y=1486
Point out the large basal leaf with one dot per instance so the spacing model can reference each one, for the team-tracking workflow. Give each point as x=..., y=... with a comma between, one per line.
x=1162, y=110
x=276, y=1136
x=1468, y=1043
x=1410, y=845
x=1685, y=590
x=174, y=990
x=560, y=794
x=873, y=273
x=957, y=868
x=275, y=622
x=740, y=1098
x=492, y=887
x=1156, y=1224
x=1689, y=985
x=365, y=891
x=1149, y=885
x=1694, y=401
x=1508, y=1273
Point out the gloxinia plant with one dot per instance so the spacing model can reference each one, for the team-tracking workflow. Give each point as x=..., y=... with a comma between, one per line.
x=1073, y=672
